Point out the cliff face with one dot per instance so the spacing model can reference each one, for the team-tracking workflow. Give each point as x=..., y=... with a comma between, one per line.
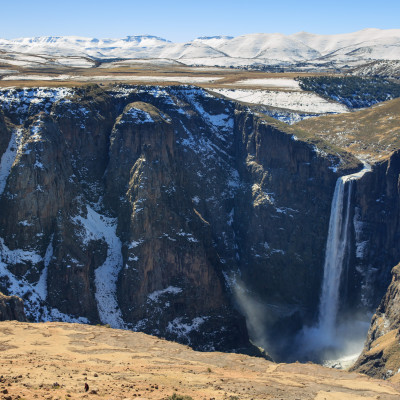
x=11, y=308
x=169, y=211
x=375, y=234
x=377, y=219
x=381, y=354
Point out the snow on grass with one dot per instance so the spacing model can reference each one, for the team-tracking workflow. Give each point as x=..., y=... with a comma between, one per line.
x=297, y=101
x=111, y=77
x=8, y=158
x=19, y=101
x=75, y=62
x=134, y=62
x=172, y=78
x=98, y=227
x=22, y=77
x=289, y=117
x=270, y=82
x=221, y=124
x=139, y=115
x=53, y=314
x=154, y=296
x=19, y=63
x=182, y=329
x=8, y=71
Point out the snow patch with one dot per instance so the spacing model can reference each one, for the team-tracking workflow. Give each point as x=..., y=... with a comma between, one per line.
x=182, y=329
x=270, y=82
x=188, y=236
x=99, y=227
x=138, y=115
x=297, y=101
x=154, y=296
x=8, y=158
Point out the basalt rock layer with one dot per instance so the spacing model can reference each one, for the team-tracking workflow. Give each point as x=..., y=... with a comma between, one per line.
x=164, y=210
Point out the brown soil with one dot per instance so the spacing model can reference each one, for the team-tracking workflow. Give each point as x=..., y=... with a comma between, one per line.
x=55, y=360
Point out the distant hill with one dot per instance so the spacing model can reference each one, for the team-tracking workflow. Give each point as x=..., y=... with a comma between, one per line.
x=306, y=49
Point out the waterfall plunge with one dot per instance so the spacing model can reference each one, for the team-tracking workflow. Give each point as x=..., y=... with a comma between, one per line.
x=336, y=248
x=328, y=338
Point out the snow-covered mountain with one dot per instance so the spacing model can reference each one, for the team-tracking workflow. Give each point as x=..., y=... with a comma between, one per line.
x=258, y=48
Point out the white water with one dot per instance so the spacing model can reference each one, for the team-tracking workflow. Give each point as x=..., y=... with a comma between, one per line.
x=336, y=249
x=328, y=337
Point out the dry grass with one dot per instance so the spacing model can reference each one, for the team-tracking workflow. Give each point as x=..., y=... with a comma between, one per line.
x=228, y=76
x=372, y=133
x=55, y=360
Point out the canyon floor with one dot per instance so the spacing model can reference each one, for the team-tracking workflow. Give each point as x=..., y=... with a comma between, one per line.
x=55, y=360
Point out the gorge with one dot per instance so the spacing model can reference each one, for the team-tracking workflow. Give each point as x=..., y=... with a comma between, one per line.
x=330, y=337
x=175, y=212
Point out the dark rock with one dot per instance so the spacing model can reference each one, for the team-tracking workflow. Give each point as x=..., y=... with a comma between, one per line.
x=180, y=214
x=11, y=308
x=381, y=354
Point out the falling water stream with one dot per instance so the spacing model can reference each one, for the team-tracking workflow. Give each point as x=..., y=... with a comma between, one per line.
x=336, y=251
x=327, y=333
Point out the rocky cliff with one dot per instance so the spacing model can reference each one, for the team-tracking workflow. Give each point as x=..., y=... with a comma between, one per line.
x=11, y=308
x=173, y=212
x=381, y=354
x=376, y=230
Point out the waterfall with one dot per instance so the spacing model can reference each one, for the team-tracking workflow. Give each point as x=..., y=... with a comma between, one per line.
x=328, y=338
x=337, y=246
x=336, y=249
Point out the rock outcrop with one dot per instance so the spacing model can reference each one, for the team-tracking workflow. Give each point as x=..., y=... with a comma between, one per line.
x=375, y=234
x=11, y=308
x=381, y=355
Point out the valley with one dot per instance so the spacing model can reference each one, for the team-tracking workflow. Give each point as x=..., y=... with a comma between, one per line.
x=222, y=206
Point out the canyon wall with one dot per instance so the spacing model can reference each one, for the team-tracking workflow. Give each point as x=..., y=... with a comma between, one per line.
x=177, y=213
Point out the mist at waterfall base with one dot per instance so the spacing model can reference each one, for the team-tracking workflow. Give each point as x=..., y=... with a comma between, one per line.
x=256, y=315
x=338, y=348
x=337, y=338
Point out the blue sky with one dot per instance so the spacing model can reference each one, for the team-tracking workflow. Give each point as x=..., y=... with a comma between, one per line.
x=181, y=21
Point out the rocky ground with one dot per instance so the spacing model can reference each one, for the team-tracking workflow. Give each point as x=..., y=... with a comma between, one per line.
x=55, y=360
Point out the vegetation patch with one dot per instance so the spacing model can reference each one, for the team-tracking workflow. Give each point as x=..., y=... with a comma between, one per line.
x=352, y=91
x=372, y=134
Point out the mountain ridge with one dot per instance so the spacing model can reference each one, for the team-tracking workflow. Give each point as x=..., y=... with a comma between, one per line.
x=265, y=48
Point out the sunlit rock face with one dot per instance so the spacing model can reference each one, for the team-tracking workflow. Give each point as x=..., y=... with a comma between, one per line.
x=380, y=357
x=11, y=308
x=169, y=211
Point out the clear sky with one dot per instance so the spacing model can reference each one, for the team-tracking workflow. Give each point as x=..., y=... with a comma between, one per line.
x=181, y=21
